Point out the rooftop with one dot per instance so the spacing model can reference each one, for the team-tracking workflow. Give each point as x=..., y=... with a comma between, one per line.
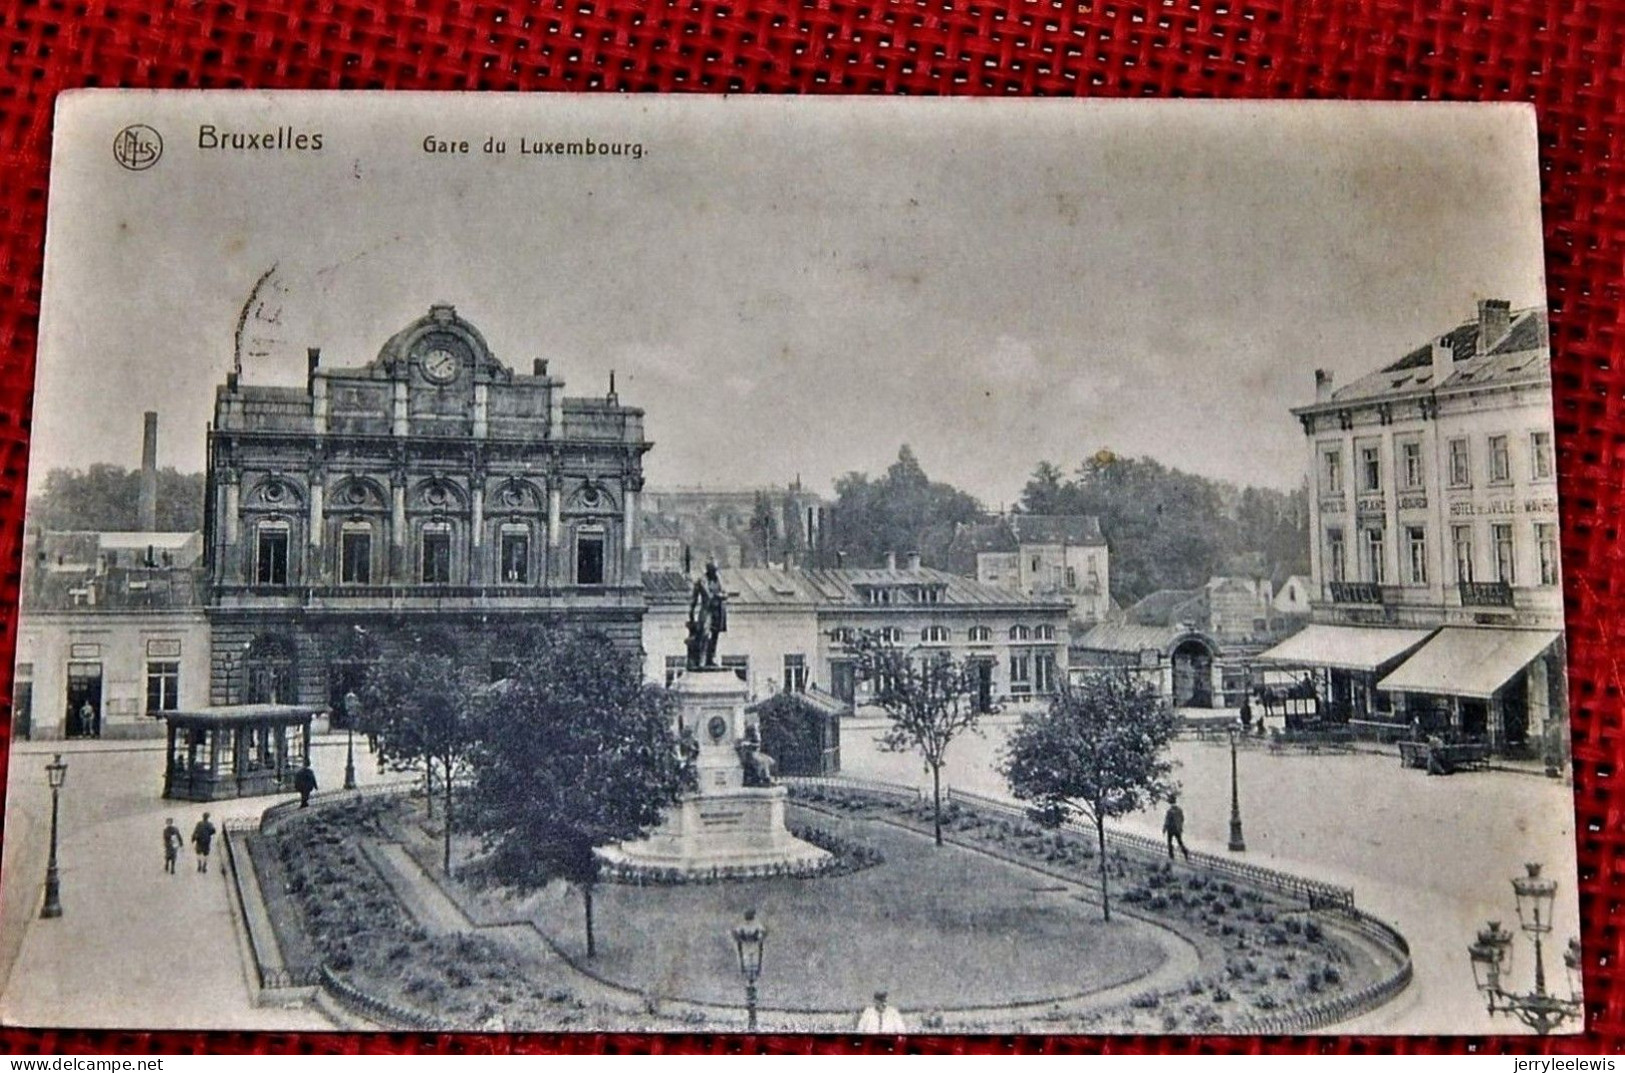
x=840, y=588
x=1519, y=355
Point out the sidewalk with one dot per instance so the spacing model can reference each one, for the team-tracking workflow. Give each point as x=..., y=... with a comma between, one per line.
x=135, y=947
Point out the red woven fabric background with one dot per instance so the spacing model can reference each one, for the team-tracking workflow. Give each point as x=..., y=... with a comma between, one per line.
x=1568, y=58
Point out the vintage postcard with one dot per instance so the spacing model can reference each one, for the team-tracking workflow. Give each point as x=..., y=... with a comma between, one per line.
x=537, y=563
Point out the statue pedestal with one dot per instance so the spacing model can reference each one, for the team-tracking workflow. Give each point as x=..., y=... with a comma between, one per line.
x=725, y=828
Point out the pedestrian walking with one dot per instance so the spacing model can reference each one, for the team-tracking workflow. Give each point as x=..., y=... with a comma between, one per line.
x=172, y=845
x=880, y=1018
x=1173, y=825
x=202, y=841
x=304, y=780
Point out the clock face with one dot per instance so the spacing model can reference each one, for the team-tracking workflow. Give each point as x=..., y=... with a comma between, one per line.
x=440, y=365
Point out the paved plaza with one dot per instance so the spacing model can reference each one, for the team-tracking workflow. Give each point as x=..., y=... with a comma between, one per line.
x=137, y=947
x=134, y=947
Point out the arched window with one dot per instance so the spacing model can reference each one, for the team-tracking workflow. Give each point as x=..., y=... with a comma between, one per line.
x=981, y=634
x=934, y=635
x=1045, y=632
x=891, y=635
x=1020, y=633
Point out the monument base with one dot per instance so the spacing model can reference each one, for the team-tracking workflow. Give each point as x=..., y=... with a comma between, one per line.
x=734, y=835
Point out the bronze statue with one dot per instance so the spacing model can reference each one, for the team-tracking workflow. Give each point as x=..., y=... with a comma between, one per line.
x=707, y=619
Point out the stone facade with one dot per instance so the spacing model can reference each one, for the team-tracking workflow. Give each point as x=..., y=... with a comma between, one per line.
x=431, y=494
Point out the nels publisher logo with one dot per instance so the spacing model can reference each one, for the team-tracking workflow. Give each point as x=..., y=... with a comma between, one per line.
x=137, y=147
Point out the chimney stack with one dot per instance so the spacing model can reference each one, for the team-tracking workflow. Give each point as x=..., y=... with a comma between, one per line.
x=1494, y=321
x=538, y=366
x=891, y=560
x=1323, y=385
x=147, y=503
x=913, y=560
x=313, y=360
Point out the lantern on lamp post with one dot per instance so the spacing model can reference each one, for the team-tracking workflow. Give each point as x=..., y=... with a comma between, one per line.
x=56, y=773
x=749, y=938
x=352, y=708
x=1238, y=842
x=1491, y=959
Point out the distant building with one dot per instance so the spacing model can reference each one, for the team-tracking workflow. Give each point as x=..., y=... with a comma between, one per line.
x=111, y=632
x=790, y=629
x=1293, y=596
x=1435, y=584
x=1044, y=555
x=723, y=524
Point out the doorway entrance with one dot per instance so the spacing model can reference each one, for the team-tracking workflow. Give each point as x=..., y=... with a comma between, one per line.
x=84, y=716
x=1193, y=675
x=984, y=685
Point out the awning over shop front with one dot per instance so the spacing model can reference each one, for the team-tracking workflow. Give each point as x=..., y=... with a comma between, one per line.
x=1346, y=648
x=1462, y=661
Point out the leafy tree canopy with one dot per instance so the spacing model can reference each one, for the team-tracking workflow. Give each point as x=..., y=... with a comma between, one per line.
x=1099, y=751
x=578, y=752
x=896, y=512
x=104, y=498
x=1168, y=529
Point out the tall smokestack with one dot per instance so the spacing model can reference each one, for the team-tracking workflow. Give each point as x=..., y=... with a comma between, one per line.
x=147, y=504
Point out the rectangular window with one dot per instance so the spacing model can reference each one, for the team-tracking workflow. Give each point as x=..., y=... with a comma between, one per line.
x=163, y=686
x=795, y=673
x=515, y=556
x=1505, y=569
x=1336, y=556
x=1416, y=555
x=355, y=555
x=435, y=566
x=1331, y=472
x=1461, y=464
x=1410, y=454
x=589, y=558
x=1373, y=565
x=1021, y=673
x=1500, y=460
x=1370, y=468
x=271, y=555
x=1546, y=541
x=740, y=665
x=675, y=665
x=1044, y=672
x=1540, y=456
x=1462, y=536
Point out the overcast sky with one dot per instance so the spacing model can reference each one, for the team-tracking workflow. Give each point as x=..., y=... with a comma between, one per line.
x=795, y=285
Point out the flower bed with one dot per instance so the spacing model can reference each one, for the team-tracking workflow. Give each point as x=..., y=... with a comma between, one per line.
x=845, y=858
x=392, y=968
x=1259, y=954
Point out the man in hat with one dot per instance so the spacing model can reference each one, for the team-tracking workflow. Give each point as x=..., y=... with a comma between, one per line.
x=1173, y=826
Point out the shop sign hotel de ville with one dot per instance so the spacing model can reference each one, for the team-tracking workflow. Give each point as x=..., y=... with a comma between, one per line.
x=550, y=563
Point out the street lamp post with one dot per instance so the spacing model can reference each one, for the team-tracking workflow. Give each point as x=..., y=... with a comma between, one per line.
x=56, y=772
x=1238, y=844
x=1491, y=958
x=749, y=938
x=352, y=705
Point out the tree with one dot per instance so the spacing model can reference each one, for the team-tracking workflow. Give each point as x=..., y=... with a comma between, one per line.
x=929, y=700
x=1099, y=751
x=579, y=752
x=103, y=498
x=762, y=529
x=423, y=709
x=897, y=511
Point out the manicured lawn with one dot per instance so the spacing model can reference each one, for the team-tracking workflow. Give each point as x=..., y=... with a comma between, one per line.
x=937, y=927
